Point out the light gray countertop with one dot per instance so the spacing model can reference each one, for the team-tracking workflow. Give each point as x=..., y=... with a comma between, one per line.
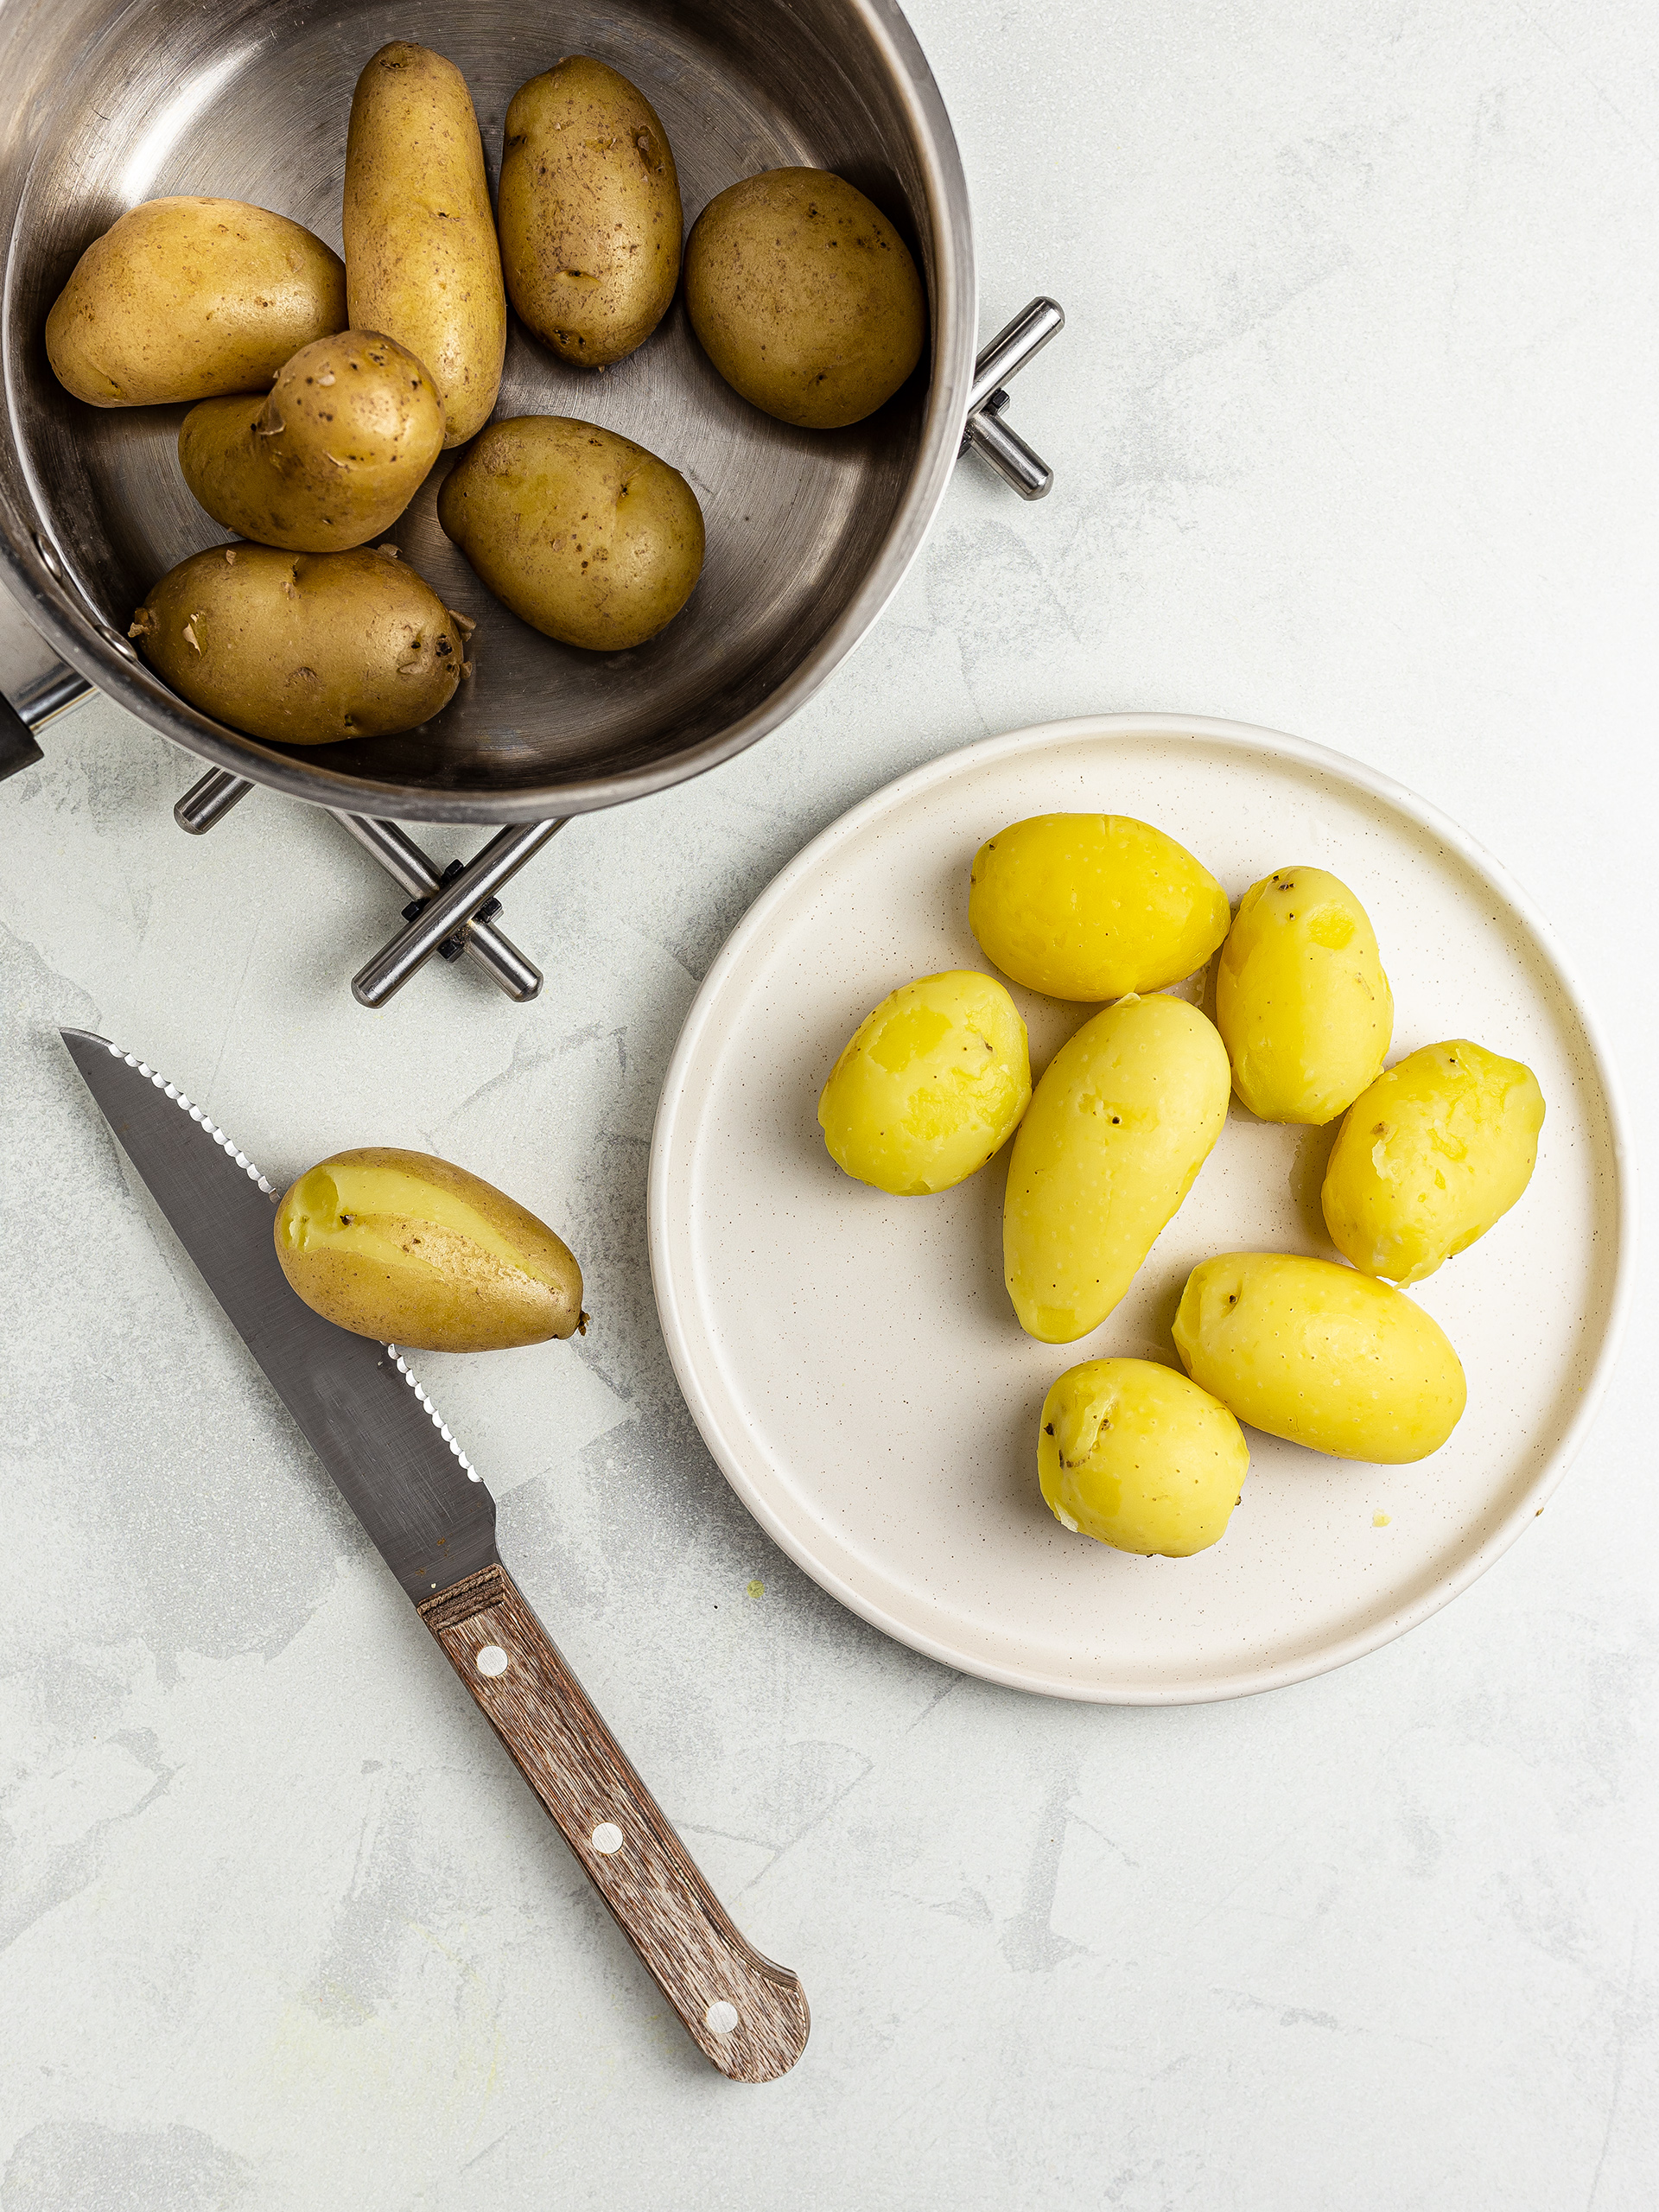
x=1353, y=431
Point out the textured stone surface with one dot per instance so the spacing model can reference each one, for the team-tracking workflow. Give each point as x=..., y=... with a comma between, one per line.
x=1353, y=432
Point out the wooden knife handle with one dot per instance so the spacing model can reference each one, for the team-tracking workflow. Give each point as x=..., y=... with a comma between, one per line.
x=745, y=2015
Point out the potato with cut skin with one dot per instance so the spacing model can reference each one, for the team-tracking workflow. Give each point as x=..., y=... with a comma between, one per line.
x=304, y=648
x=330, y=459
x=1301, y=1001
x=186, y=298
x=1125, y=1115
x=805, y=297
x=1321, y=1355
x=1093, y=905
x=589, y=213
x=422, y=260
x=584, y=535
x=1435, y=1151
x=409, y=1249
x=930, y=1086
x=1138, y=1456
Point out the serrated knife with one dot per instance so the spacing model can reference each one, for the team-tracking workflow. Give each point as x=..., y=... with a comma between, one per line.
x=424, y=1507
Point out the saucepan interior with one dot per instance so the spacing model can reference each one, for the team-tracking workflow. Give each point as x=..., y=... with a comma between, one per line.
x=807, y=531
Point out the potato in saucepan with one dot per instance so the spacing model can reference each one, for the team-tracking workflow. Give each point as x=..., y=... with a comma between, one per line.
x=422, y=260
x=589, y=213
x=330, y=459
x=185, y=298
x=584, y=535
x=413, y=1251
x=304, y=648
x=805, y=297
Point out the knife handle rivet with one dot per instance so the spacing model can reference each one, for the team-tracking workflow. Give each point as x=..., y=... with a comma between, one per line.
x=720, y=2018
x=607, y=1838
x=492, y=1660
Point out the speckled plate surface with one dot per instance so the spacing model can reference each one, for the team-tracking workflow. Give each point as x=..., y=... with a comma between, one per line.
x=852, y=1358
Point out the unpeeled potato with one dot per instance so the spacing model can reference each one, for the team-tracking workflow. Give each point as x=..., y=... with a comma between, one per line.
x=409, y=1249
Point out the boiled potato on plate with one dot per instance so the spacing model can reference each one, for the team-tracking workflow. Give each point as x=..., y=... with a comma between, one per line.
x=805, y=297
x=1301, y=1001
x=584, y=535
x=1140, y=1458
x=1435, y=1151
x=304, y=648
x=1321, y=1355
x=589, y=213
x=1126, y=1114
x=408, y=1249
x=1093, y=905
x=330, y=459
x=422, y=261
x=186, y=298
x=930, y=1086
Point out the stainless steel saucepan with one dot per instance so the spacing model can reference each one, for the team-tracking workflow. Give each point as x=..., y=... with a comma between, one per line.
x=111, y=102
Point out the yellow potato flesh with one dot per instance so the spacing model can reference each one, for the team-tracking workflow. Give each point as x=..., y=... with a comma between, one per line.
x=1428, y=1158
x=1093, y=905
x=929, y=1086
x=1302, y=1000
x=188, y=297
x=584, y=535
x=330, y=459
x=1124, y=1117
x=411, y=1250
x=589, y=213
x=1321, y=1355
x=422, y=264
x=1140, y=1458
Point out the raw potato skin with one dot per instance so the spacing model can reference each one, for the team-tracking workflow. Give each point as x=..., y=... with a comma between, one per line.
x=805, y=297
x=590, y=210
x=1093, y=905
x=304, y=648
x=584, y=535
x=1138, y=1456
x=330, y=459
x=930, y=1086
x=1301, y=1001
x=422, y=260
x=412, y=1251
x=1320, y=1356
x=1126, y=1114
x=1428, y=1158
x=185, y=299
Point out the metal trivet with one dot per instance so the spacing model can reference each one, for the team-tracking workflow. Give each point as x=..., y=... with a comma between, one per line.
x=452, y=912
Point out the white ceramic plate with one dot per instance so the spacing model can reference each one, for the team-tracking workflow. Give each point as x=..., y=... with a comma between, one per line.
x=852, y=1358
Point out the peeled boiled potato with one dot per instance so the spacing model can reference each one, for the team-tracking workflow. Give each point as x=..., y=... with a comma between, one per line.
x=1435, y=1153
x=1124, y=1117
x=330, y=459
x=805, y=297
x=583, y=534
x=930, y=1086
x=422, y=263
x=404, y=1247
x=1319, y=1355
x=1302, y=1000
x=304, y=648
x=187, y=298
x=1140, y=1458
x=1093, y=905
x=589, y=212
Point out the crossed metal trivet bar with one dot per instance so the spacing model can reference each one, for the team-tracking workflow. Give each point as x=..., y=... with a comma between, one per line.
x=452, y=910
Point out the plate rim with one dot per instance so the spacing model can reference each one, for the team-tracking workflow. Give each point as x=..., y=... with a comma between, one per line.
x=1241, y=736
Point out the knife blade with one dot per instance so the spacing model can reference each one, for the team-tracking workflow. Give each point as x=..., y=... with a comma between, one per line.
x=427, y=1511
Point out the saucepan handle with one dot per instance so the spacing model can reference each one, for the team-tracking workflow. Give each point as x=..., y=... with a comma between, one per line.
x=985, y=432
x=746, y=2016
x=43, y=697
